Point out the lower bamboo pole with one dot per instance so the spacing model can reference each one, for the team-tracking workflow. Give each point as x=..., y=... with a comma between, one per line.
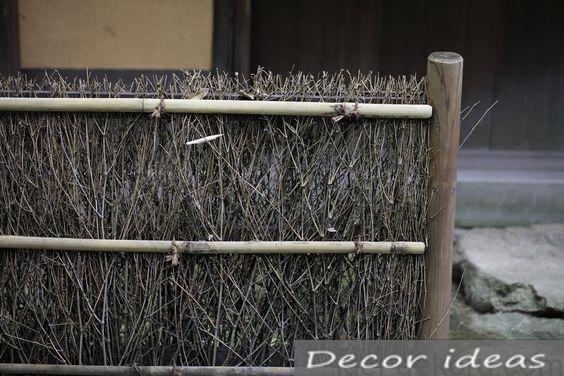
x=409, y=111
x=80, y=370
x=204, y=247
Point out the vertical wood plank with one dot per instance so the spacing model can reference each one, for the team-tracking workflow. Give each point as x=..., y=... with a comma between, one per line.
x=242, y=37
x=9, y=37
x=482, y=37
x=223, y=26
x=232, y=36
x=444, y=86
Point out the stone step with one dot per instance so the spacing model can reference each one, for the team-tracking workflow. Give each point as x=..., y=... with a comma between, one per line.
x=509, y=188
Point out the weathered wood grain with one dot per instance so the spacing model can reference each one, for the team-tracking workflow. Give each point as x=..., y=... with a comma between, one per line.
x=444, y=85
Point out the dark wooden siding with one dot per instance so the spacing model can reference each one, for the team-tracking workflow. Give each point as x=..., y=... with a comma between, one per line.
x=513, y=53
x=9, y=37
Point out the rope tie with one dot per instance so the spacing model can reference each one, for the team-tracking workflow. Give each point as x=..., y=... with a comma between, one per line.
x=173, y=257
x=345, y=111
x=358, y=245
x=159, y=110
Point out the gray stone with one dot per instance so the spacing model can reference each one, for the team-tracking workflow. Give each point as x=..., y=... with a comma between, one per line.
x=515, y=269
x=514, y=325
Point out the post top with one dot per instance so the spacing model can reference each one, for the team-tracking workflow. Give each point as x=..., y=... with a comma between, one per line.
x=445, y=57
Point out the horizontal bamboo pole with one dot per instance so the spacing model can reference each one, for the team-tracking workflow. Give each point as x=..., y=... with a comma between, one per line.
x=204, y=247
x=410, y=111
x=52, y=369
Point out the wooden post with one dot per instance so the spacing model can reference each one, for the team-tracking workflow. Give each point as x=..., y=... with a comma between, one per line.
x=444, y=87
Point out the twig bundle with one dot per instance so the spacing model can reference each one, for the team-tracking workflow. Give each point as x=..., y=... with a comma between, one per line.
x=268, y=178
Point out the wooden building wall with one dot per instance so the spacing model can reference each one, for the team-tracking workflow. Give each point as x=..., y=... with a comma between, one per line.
x=512, y=50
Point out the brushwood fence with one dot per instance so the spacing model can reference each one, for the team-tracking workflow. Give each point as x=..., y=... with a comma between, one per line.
x=179, y=225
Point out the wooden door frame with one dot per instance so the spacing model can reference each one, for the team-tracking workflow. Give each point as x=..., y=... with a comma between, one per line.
x=9, y=38
x=232, y=36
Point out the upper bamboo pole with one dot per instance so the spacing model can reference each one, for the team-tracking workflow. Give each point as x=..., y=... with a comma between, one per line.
x=85, y=370
x=204, y=247
x=409, y=111
x=444, y=87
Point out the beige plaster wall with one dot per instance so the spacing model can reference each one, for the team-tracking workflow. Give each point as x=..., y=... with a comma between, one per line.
x=116, y=34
